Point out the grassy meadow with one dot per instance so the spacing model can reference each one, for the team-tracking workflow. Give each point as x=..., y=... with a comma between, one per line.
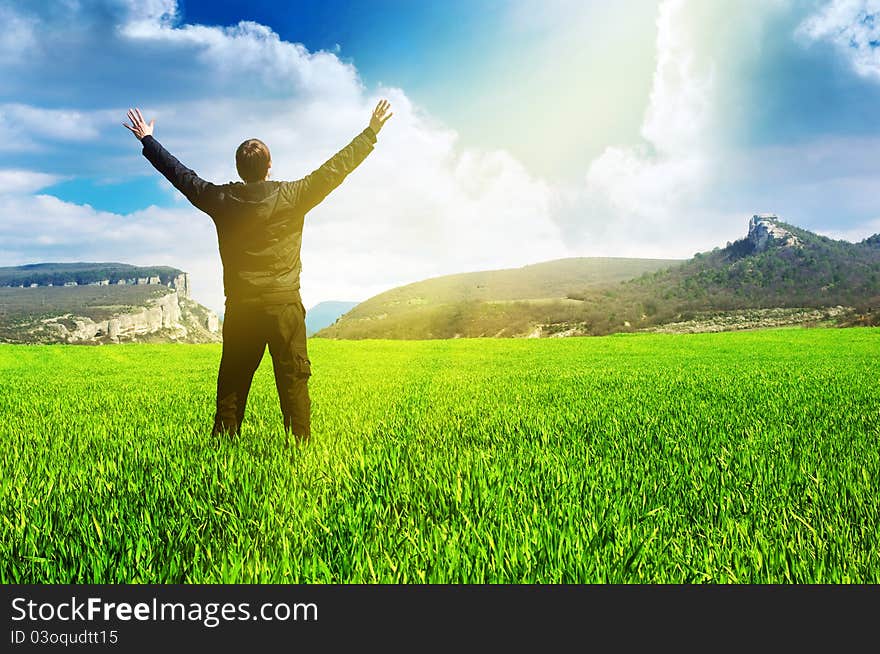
x=738, y=457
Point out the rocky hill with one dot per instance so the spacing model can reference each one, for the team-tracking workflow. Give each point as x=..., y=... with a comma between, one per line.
x=778, y=274
x=92, y=303
x=777, y=265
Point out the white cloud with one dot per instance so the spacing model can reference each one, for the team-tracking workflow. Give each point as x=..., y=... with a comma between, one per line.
x=26, y=124
x=253, y=52
x=677, y=121
x=632, y=195
x=18, y=182
x=853, y=27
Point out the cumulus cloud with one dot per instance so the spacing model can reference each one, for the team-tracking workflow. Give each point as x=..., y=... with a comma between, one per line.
x=17, y=182
x=632, y=194
x=853, y=27
x=27, y=124
x=253, y=52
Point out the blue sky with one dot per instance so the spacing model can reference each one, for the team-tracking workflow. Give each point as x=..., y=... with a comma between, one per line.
x=523, y=130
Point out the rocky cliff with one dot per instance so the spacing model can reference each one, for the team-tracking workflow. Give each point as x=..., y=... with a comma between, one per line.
x=170, y=317
x=765, y=230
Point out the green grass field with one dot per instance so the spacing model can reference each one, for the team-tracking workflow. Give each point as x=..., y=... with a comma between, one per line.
x=733, y=457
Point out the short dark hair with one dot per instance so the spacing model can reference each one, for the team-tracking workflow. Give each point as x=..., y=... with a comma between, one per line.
x=252, y=160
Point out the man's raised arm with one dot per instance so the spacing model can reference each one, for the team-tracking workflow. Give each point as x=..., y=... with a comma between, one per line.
x=184, y=180
x=314, y=187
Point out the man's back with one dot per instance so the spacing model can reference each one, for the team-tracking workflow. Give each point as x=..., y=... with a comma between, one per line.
x=260, y=235
x=259, y=224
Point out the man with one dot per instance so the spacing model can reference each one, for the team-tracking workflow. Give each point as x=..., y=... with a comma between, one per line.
x=259, y=229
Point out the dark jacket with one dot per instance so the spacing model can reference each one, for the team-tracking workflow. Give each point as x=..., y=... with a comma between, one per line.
x=259, y=225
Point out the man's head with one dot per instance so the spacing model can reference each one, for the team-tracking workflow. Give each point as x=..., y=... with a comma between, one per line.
x=252, y=159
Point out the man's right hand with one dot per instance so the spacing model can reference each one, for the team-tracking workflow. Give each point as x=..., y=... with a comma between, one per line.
x=139, y=127
x=380, y=115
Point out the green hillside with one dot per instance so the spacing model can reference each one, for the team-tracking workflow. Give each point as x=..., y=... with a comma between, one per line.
x=777, y=266
x=486, y=303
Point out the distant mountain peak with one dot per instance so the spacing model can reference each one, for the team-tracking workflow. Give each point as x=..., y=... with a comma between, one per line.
x=325, y=314
x=766, y=229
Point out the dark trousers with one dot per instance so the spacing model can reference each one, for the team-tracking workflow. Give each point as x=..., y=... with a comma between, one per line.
x=247, y=329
